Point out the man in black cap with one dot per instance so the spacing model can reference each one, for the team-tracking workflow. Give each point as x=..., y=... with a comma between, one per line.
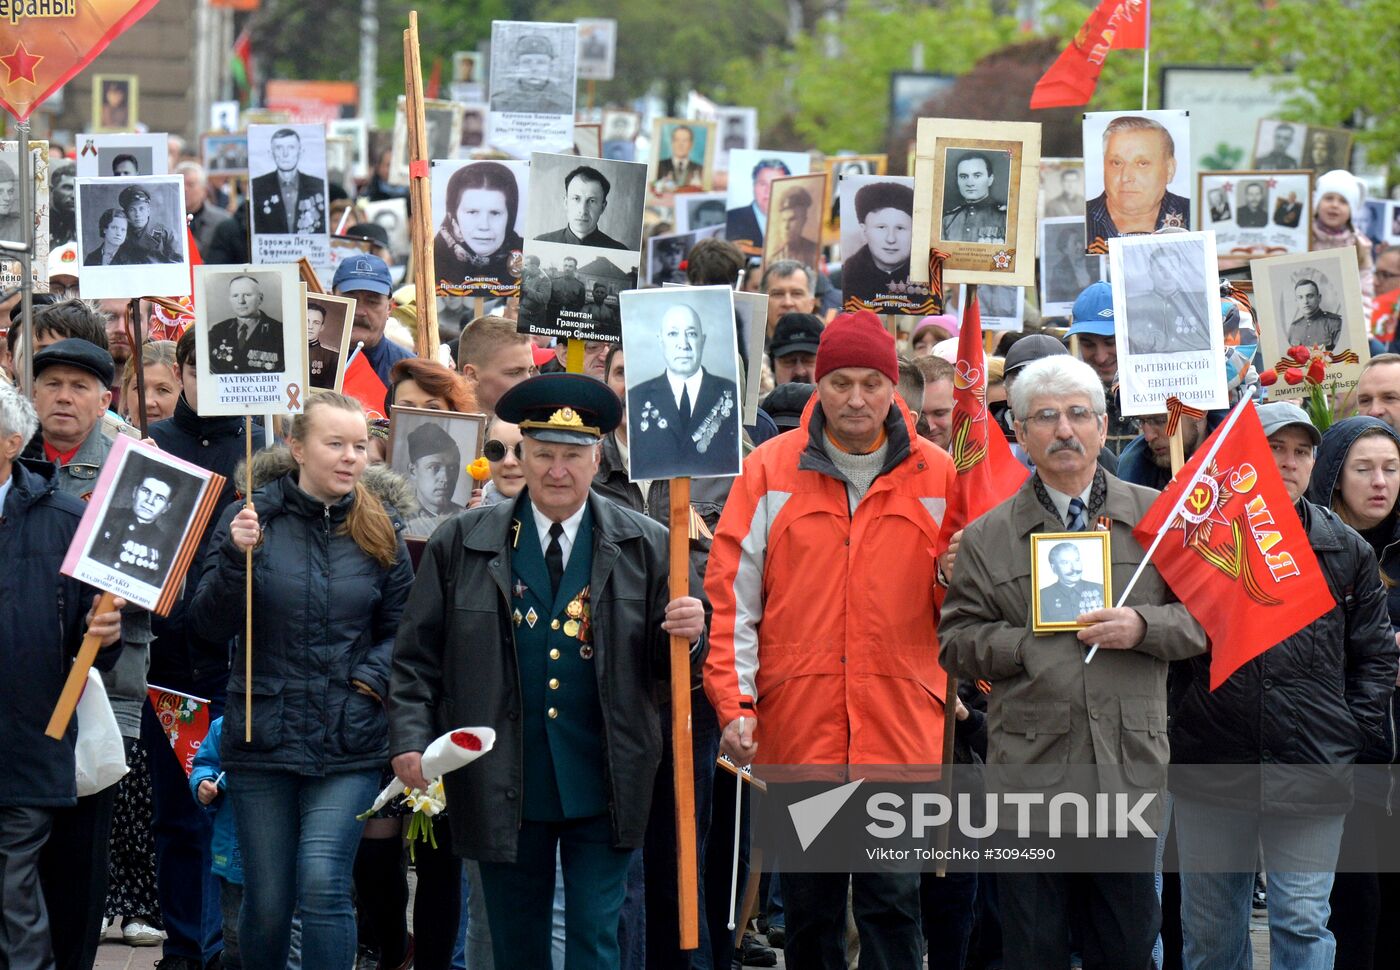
x=885, y=212
x=250, y=341
x=793, y=350
x=145, y=242
x=560, y=600
x=434, y=468
x=132, y=540
x=72, y=388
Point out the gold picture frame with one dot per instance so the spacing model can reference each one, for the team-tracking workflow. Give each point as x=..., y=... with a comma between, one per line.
x=1052, y=602
x=121, y=111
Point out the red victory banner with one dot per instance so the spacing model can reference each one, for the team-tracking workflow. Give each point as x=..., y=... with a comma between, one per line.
x=363, y=384
x=46, y=42
x=1230, y=545
x=1114, y=25
x=184, y=719
x=988, y=473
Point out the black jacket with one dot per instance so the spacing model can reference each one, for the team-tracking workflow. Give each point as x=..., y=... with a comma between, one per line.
x=1317, y=698
x=180, y=658
x=42, y=621
x=324, y=613
x=455, y=665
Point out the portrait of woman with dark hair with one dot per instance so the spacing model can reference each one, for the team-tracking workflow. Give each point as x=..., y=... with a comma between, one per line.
x=477, y=239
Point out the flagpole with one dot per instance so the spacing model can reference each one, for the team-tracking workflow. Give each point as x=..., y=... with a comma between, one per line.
x=1201, y=471
x=1146, y=53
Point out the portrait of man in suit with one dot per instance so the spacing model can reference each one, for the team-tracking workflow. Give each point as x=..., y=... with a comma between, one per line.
x=684, y=421
x=1253, y=212
x=747, y=222
x=288, y=200
x=585, y=200
x=679, y=169
x=250, y=341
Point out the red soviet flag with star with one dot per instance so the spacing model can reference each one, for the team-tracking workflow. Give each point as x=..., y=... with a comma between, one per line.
x=988, y=473
x=1114, y=25
x=1233, y=549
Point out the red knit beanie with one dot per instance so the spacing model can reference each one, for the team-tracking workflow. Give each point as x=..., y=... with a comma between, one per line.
x=857, y=340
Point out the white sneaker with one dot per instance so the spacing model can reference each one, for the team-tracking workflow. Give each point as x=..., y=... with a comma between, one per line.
x=138, y=932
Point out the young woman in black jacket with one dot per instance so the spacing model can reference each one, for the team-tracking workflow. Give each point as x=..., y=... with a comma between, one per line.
x=331, y=574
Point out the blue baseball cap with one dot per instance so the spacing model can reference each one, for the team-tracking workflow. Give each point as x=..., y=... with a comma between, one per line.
x=362, y=272
x=1093, y=311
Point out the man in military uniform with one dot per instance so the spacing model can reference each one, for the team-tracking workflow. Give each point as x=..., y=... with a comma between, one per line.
x=585, y=199
x=685, y=420
x=979, y=218
x=547, y=617
x=434, y=469
x=1166, y=319
x=1254, y=214
x=145, y=241
x=531, y=86
x=536, y=291
x=605, y=317
x=792, y=218
x=1279, y=158
x=322, y=361
x=10, y=223
x=1070, y=201
x=132, y=540
x=1313, y=326
x=250, y=341
x=1071, y=594
x=288, y=200
x=1139, y=162
x=566, y=291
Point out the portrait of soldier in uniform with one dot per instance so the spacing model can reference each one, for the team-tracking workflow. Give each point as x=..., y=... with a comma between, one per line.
x=529, y=83
x=1139, y=163
x=1070, y=201
x=1253, y=212
x=1312, y=326
x=1280, y=155
x=1169, y=318
x=134, y=540
x=434, y=470
x=146, y=241
x=322, y=361
x=1070, y=594
x=790, y=240
x=250, y=341
x=974, y=213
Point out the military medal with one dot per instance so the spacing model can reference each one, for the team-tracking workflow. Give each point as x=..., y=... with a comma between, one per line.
x=571, y=628
x=574, y=609
x=532, y=618
x=516, y=617
x=586, y=652
x=519, y=590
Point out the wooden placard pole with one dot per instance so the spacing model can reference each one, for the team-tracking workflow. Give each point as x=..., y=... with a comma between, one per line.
x=133, y=331
x=681, y=751
x=478, y=308
x=77, y=677
x=420, y=201
x=1178, y=449
x=307, y=272
x=248, y=586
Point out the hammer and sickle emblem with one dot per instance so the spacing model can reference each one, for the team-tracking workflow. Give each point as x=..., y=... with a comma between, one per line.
x=1200, y=499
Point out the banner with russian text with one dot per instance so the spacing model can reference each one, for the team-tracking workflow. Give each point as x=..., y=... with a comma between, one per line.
x=184, y=719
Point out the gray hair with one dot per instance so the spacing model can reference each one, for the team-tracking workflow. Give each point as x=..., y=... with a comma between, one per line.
x=911, y=384
x=1139, y=123
x=1057, y=376
x=16, y=414
x=787, y=267
x=194, y=167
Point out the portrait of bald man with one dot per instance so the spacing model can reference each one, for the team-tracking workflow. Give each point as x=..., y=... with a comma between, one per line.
x=250, y=341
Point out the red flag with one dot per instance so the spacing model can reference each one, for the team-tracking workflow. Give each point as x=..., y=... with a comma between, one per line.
x=1233, y=549
x=988, y=473
x=1114, y=25
x=185, y=720
x=364, y=385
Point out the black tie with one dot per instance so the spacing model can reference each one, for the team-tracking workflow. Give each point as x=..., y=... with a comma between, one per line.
x=685, y=406
x=554, y=557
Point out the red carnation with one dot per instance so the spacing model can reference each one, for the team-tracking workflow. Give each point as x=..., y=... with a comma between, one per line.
x=1294, y=375
x=1317, y=371
x=1299, y=353
x=465, y=739
x=1269, y=378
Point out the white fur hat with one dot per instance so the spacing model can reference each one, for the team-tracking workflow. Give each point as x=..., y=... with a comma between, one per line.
x=1346, y=185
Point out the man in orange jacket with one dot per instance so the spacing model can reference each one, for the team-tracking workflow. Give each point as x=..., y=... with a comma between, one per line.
x=824, y=649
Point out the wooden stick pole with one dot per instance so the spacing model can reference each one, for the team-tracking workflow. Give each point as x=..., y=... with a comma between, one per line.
x=681, y=752
x=573, y=363
x=133, y=332
x=1177, y=443
x=425, y=341
x=479, y=308
x=77, y=677
x=248, y=586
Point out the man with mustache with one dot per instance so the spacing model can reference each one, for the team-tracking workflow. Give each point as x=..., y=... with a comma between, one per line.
x=1070, y=594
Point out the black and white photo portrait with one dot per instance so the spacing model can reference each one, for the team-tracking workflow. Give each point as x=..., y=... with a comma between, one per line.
x=1252, y=204
x=431, y=450
x=11, y=217
x=250, y=345
x=1065, y=271
x=751, y=175
x=473, y=130
x=289, y=196
x=1326, y=149
x=122, y=155
x=1071, y=577
x=1256, y=213
x=478, y=219
x=1061, y=187
x=1137, y=172
x=1312, y=300
x=532, y=86
x=974, y=195
x=131, y=234
x=1167, y=308
x=442, y=125
x=666, y=253
x=250, y=339
x=1219, y=204
x=683, y=404
x=699, y=210
x=1278, y=144
x=736, y=130
x=598, y=201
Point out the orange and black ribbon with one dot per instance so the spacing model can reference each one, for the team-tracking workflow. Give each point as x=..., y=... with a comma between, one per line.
x=936, y=258
x=1098, y=247
x=1176, y=410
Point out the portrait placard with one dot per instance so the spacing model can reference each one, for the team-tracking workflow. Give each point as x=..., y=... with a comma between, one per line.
x=795, y=220
x=131, y=232
x=442, y=120
x=142, y=525
x=1167, y=321
x=699, y=210
x=473, y=130
x=468, y=76
x=287, y=194
x=588, y=141
x=358, y=132
x=1256, y=213
x=431, y=450
x=683, y=404
x=597, y=48
x=124, y=155
x=478, y=225
x=250, y=343
x=975, y=190
x=751, y=175
x=1065, y=271
x=329, y=321
x=1311, y=300
x=877, y=231
x=1379, y=222
x=114, y=102
x=666, y=253
x=751, y=312
x=392, y=216
x=682, y=156
x=223, y=116
x=1225, y=104
x=12, y=219
x=1061, y=188
x=838, y=168
x=737, y=130
x=1071, y=574
x=1000, y=307
x=532, y=87
x=1290, y=145
x=620, y=131
x=596, y=252
x=1137, y=173
x=224, y=154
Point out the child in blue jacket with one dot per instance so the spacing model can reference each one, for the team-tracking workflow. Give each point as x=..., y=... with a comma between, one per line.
x=209, y=787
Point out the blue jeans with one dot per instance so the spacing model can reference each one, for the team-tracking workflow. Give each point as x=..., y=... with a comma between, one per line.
x=298, y=835
x=1215, y=905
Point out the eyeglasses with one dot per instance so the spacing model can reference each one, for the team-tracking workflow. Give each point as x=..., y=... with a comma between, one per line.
x=1157, y=422
x=496, y=450
x=1078, y=415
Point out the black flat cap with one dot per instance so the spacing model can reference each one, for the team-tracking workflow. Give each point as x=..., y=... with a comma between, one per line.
x=80, y=354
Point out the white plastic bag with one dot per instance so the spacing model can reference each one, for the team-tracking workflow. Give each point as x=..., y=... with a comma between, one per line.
x=100, y=753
